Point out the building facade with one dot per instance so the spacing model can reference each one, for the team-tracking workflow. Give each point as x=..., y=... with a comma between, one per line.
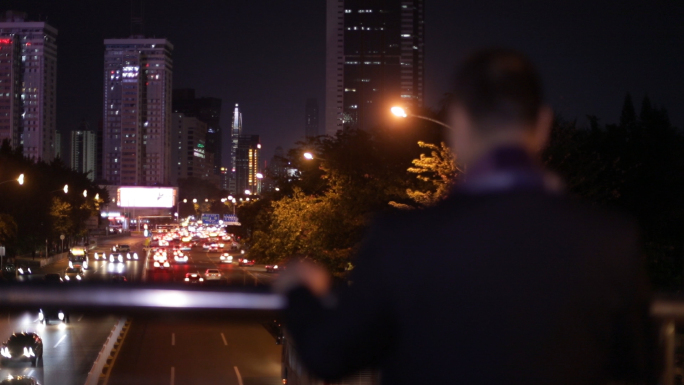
x=189, y=157
x=208, y=110
x=235, y=133
x=84, y=152
x=311, y=118
x=248, y=162
x=374, y=60
x=137, y=111
x=28, y=70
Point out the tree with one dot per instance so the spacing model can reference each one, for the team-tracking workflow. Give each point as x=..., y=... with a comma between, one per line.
x=8, y=230
x=438, y=171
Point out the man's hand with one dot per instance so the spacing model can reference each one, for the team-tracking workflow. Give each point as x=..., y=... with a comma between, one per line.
x=303, y=273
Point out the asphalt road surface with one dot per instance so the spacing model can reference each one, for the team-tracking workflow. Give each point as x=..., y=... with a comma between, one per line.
x=154, y=351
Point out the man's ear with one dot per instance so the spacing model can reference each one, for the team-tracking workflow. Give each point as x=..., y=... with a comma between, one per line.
x=542, y=128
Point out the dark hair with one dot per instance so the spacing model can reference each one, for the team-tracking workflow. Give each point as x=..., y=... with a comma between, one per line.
x=498, y=86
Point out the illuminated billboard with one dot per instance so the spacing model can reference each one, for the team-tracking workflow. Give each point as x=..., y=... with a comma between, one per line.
x=146, y=197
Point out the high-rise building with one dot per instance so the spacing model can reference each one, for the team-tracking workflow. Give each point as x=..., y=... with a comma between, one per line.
x=235, y=133
x=188, y=154
x=137, y=111
x=311, y=115
x=374, y=60
x=29, y=81
x=83, y=152
x=208, y=110
x=248, y=165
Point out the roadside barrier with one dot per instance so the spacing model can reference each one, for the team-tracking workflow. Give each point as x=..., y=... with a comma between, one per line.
x=102, y=365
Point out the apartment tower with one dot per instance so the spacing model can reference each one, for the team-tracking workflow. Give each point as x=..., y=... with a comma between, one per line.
x=374, y=60
x=137, y=111
x=28, y=84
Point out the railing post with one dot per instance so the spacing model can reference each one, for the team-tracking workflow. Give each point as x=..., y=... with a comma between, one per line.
x=667, y=335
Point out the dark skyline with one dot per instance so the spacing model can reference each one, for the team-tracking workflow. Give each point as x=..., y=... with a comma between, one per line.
x=269, y=56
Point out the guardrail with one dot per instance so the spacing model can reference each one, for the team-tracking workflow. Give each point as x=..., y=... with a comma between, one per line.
x=101, y=364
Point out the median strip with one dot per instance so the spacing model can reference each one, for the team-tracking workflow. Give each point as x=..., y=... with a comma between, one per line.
x=99, y=373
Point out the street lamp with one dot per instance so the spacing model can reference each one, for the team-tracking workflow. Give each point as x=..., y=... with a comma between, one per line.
x=194, y=200
x=20, y=180
x=66, y=189
x=259, y=175
x=403, y=113
x=85, y=193
x=247, y=192
x=308, y=155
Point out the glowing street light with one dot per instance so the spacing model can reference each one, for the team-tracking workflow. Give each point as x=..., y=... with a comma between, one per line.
x=19, y=179
x=398, y=112
x=259, y=175
x=247, y=192
x=308, y=155
x=185, y=201
x=85, y=193
x=194, y=201
x=403, y=113
x=66, y=189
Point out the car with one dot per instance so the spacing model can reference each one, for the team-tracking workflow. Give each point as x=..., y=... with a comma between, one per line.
x=191, y=278
x=53, y=278
x=212, y=274
x=100, y=255
x=162, y=264
x=245, y=262
x=118, y=278
x=47, y=315
x=273, y=268
x=73, y=274
x=226, y=258
x=19, y=380
x=121, y=248
x=180, y=258
x=22, y=347
x=23, y=269
x=78, y=261
x=116, y=257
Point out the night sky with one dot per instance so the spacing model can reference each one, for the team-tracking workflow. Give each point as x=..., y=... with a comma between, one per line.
x=269, y=55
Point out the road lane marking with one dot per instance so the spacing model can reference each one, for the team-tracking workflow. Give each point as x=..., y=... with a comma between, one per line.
x=224, y=339
x=173, y=339
x=237, y=372
x=80, y=318
x=173, y=375
x=30, y=373
x=60, y=341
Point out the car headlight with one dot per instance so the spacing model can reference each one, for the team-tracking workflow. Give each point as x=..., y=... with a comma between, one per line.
x=156, y=264
x=128, y=255
x=187, y=279
x=166, y=264
x=78, y=277
x=5, y=352
x=71, y=265
x=135, y=255
x=201, y=279
x=28, y=352
x=111, y=258
x=95, y=255
x=20, y=270
x=60, y=316
x=120, y=258
x=29, y=270
x=67, y=277
x=41, y=316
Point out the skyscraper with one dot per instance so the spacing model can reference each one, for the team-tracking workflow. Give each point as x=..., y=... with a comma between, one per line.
x=235, y=132
x=248, y=164
x=188, y=154
x=83, y=152
x=29, y=75
x=137, y=111
x=208, y=110
x=374, y=60
x=311, y=112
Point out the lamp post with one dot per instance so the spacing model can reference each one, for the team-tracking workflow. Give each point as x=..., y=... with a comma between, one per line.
x=310, y=156
x=19, y=179
x=403, y=113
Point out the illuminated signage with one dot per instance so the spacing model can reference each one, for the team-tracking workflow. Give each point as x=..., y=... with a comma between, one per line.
x=130, y=73
x=146, y=197
x=199, y=152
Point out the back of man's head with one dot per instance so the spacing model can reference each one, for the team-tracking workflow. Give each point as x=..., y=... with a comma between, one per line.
x=498, y=88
